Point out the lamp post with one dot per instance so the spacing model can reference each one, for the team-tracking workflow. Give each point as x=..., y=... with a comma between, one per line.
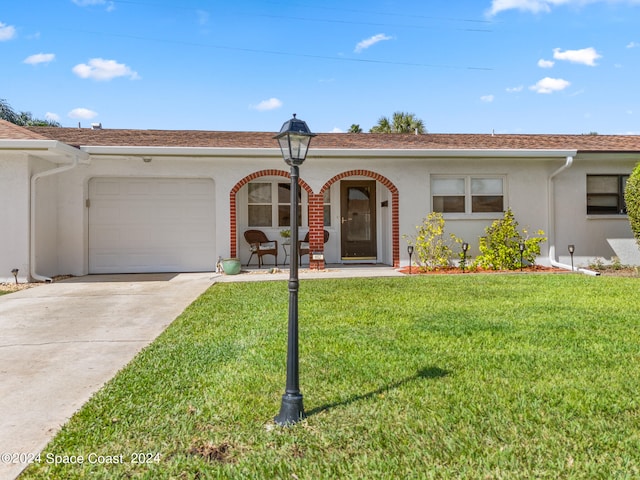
x=294, y=139
x=521, y=248
x=465, y=247
x=410, y=252
x=572, y=249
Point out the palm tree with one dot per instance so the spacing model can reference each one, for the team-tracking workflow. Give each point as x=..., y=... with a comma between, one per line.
x=355, y=128
x=23, y=119
x=401, y=122
x=7, y=113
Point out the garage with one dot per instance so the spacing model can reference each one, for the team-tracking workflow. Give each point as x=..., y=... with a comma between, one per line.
x=146, y=225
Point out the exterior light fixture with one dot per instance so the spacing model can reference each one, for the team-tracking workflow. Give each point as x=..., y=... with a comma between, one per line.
x=572, y=249
x=521, y=248
x=294, y=139
x=15, y=274
x=465, y=248
x=410, y=252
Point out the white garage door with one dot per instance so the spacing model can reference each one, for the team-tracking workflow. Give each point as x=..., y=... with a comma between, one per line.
x=139, y=225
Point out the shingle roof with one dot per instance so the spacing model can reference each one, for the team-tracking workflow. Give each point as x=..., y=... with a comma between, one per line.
x=218, y=139
x=9, y=131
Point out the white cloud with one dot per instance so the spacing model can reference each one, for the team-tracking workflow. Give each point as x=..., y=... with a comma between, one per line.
x=82, y=113
x=542, y=63
x=543, y=6
x=7, y=32
x=585, y=56
x=88, y=3
x=368, y=42
x=487, y=98
x=337, y=130
x=517, y=89
x=53, y=117
x=265, y=105
x=550, y=85
x=633, y=45
x=203, y=17
x=104, y=70
x=39, y=58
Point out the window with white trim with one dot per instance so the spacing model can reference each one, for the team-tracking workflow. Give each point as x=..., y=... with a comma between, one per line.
x=467, y=194
x=269, y=204
x=605, y=194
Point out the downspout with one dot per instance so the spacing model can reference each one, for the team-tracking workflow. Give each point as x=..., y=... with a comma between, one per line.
x=552, y=222
x=32, y=229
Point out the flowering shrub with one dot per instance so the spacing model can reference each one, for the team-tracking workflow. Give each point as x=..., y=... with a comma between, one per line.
x=431, y=247
x=500, y=248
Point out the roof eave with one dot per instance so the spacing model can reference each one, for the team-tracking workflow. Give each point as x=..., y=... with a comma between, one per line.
x=52, y=150
x=326, y=152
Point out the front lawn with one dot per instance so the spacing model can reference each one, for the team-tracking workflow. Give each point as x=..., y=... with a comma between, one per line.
x=465, y=376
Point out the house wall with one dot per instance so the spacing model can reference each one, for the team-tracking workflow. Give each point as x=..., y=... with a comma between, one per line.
x=14, y=217
x=46, y=245
x=526, y=193
x=589, y=233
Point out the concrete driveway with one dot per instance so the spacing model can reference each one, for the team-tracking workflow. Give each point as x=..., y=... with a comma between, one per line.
x=61, y=342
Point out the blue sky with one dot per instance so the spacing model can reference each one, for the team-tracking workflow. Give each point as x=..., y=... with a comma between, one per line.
x=509, y=66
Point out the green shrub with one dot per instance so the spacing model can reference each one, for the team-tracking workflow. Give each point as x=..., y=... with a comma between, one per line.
x=632, y=199
x=431, y=248
x=500, y=248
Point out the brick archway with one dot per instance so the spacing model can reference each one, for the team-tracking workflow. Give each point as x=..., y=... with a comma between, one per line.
x=395, y=208
x=233, y=219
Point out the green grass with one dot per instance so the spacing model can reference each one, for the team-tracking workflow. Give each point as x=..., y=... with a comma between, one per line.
x=476, y=376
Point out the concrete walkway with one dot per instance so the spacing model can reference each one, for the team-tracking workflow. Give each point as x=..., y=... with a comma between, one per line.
x=62, y=341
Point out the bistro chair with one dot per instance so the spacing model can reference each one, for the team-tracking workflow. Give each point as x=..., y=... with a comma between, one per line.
x=303, y=245
x=260, y=245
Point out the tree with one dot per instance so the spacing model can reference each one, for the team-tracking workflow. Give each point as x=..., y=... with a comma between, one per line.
x=632, y=199
x=23, y=119
x=355, y=128
x=401, y=122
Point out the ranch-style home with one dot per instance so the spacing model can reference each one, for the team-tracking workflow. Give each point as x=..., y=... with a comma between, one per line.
x=91, y=200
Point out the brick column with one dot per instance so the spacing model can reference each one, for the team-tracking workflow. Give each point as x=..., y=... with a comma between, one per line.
x=316, y=229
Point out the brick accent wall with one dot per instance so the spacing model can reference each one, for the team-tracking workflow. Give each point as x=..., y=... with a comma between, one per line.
x=395, y=206
x=233, y=218
x=316, y=211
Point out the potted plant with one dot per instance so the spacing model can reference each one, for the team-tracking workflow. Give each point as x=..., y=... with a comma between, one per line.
x=286, y=234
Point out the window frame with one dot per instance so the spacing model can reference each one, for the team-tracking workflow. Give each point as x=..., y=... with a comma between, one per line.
x=276, y=205
x=469, y=195
x=621, y=206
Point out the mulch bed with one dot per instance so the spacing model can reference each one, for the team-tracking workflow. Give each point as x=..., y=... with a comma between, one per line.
x=415, y=270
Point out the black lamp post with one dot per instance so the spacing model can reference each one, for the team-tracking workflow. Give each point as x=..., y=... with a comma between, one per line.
x=572, y=249
x=465, y=248
x=410, y=252
x=521, y=248
x=294, y=139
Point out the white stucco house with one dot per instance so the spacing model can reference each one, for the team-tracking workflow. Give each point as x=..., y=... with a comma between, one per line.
x=80, y=201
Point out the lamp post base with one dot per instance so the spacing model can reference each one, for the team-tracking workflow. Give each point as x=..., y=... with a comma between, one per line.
x=291, y=410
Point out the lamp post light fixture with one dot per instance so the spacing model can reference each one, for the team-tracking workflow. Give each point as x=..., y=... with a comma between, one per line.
x=465, y=248
x=294, y=139
x=15, y=274
x=410, y=252
x=521, y=248
x=572, y=249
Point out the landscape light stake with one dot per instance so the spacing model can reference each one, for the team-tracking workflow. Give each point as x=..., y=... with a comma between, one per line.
x=465, y=247
x=15, y=274
x=521, y=247
x=294, y=139
x=410, y=252
x=572, y=248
